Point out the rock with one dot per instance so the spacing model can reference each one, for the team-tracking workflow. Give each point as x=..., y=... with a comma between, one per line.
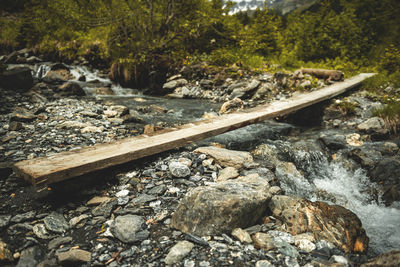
x=5, y=253
x=4, y=220
x=70, y=89
x=19, y=79
x=374, y=125
x=333, y=141
x=354, y=139
x=97, y=201
x=128, y=228
x=15, y=126
x=27, y=216
x=57, y=242
x=385, y=260
x=235, y=104
x=263, y=241
x=120, y=109
x=33, y=60
x=22, y=115
x=30, y=257
x=76, y=220
x=179, y=170
x=219, y=208
x=306, y=84
x=178, y=252
x=227, y=173
x=330, y=222
x=171, y=85
x=74, y=257
x=92, y=129
x=386, y=173
x=241, y=235
x=264, y=263
x=72, y=125
x=227, y=158
x=305, y=242
x=56, y=222
x=58, y=76
x=40, y=231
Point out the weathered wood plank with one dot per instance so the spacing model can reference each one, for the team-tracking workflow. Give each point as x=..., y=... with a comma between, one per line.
x=65, y=165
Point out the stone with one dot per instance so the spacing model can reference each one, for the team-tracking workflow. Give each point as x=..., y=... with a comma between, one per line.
x=128, y=228
x=221, y=207
x=354, y=139
x=227, y=173
x=179, y=170
x=92, y=129
x=235, y=104
x=72, y=125
x=5, y=253
x=40, y=231
x=333, y=141
x=95, y=201
x=330, y=222
x=263, y=241
x=373, y=125
x=305, y=242
x=102, y=91
x=74, y=257
x=56, y=222
x=27, y=216
x=120, y=109
x=4, y=220
x=19, y=79
x=171, y=85
x=227, y=158
x=76, y=220
x=22, y=115
x=30, y=257
x=389, y=259
x=57, y=242
x=241, y=235
x=264, y=263
x=71, y=89
x=178, y=252
x=58, y=76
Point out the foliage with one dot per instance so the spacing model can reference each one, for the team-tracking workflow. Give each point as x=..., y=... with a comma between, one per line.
x=391, y=114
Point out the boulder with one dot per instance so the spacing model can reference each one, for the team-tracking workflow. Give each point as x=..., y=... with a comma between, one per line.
x=386, y=173
x=58, y=76
x=19, y=78
x=71, y=88
x=329, y=222
x=232, y=105
x=374, y=125
x=219, y=208
x=227, y=158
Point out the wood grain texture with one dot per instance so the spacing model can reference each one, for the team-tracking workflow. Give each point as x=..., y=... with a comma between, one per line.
x=65, y=165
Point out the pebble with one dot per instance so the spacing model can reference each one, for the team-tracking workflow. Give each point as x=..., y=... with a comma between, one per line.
x=178, y=252
x=242, y=235
x=74, y=256
x=179, y=170
x=56, y=222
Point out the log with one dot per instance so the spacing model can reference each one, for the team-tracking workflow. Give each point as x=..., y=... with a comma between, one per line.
x=46, y=170
x=328, y=75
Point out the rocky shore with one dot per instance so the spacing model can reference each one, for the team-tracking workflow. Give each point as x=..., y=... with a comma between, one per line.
x=270, y=194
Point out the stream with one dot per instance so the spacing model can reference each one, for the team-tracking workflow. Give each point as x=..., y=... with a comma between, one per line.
x=319, y=178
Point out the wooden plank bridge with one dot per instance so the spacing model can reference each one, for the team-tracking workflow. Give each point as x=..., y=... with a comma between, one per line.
x=46, y=170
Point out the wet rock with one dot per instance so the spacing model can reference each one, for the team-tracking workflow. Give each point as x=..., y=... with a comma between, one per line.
x=30, y=257
x=333, y=141
x=386, y=173
x=70, y=89
x=263, y=241
x=30, y=215
x=227, y=173
x=128, y=228
x=222, y=207
x=178, y=252
x=5, y=253
x=227, y=158
x=179, y=170
x=19, y=79
x=56, y=222
x=385, y=260
x=330, y=222
x=235, y=104
x=58, y=76
x=171, y=85
x=241, y=235
x=102, y=91
x=74, y=257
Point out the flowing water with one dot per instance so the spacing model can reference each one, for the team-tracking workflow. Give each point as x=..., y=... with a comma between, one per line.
x=322, y=180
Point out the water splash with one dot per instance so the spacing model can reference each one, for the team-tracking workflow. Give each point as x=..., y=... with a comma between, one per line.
x=332, y=182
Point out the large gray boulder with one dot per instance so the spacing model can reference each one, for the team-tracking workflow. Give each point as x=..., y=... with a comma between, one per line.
x=19, y=79
x=220, y=208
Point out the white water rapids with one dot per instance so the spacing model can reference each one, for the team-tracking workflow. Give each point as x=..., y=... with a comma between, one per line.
x=332, y=182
